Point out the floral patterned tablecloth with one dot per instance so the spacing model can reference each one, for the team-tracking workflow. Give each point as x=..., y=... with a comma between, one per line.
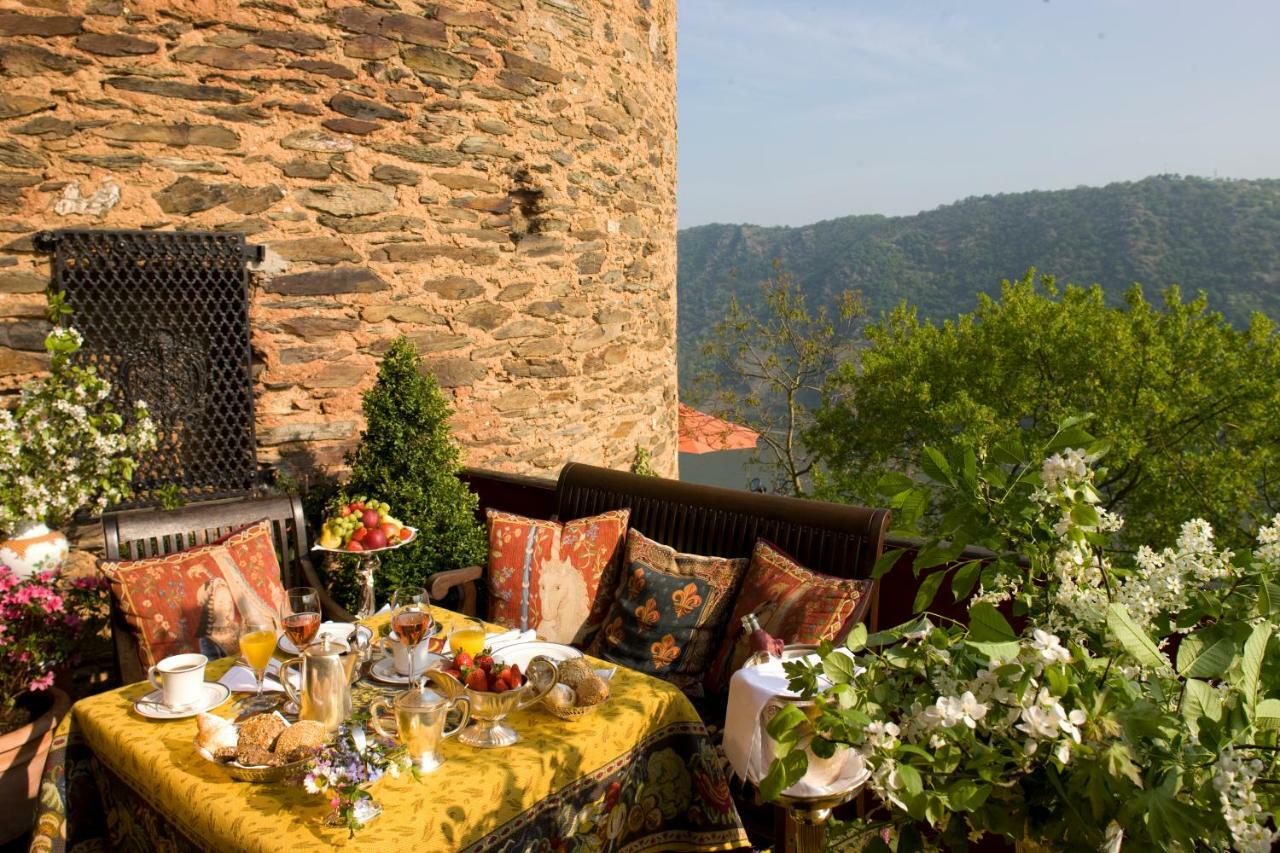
x=638, y=774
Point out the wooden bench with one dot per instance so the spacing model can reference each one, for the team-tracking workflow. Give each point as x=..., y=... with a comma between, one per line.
x=834, y=539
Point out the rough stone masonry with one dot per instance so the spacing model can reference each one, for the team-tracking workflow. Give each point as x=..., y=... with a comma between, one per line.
x=494, y=179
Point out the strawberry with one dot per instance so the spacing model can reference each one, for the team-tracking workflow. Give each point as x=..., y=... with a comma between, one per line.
x=477, y=680
x=515, y=678
x=456, y=673
x=499, y=685
x=463, y=660
x=484, y=660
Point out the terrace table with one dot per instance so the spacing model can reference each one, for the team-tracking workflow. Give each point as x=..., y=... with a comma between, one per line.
x=638, y=774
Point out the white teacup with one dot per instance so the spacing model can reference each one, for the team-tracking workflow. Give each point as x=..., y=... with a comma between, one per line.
x=180, y=678
x=400, y=652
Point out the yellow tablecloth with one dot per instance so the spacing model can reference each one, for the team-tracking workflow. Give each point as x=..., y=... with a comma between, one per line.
x=637, y=774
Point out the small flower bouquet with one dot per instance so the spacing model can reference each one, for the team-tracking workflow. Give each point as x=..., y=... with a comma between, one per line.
x=1137, y=703
x=43, y=618
x=345, y=770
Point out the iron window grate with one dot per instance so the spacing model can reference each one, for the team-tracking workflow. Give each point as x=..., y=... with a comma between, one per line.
x=165, y=318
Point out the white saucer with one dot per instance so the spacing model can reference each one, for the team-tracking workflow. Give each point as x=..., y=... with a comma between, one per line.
x=213, y=695
x=385, y=669
x=334, y=630
x=522, y=653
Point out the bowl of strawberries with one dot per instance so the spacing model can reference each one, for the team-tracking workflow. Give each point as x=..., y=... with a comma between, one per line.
x=496, y=688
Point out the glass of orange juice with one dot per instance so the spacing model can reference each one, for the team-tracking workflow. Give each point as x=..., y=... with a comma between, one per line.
x=257, y=644
x=468, y=637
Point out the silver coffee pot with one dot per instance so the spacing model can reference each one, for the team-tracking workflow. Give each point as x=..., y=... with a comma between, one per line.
x=328, y=668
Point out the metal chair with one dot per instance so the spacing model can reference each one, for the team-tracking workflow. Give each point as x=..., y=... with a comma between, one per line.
x=138, y=534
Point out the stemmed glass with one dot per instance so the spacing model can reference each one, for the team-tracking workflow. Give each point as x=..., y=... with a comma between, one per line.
x=410, y=620
x=257, y=644
x=300, y=615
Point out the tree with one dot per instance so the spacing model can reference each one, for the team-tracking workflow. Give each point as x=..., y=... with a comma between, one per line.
x=765, y=370
x=1187, y=400
x=408, y=458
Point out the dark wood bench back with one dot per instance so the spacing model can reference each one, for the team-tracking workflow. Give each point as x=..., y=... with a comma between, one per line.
x=844, y=541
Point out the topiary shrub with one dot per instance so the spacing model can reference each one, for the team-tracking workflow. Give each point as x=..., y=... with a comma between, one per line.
x=408, y=458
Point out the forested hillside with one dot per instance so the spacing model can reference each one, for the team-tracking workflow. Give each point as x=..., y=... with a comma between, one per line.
x=1220, y=236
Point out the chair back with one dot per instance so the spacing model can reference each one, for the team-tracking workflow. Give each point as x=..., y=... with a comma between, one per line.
x=843, y=541
x=137, y=534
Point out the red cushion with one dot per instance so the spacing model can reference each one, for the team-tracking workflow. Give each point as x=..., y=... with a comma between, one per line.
x=170, y=602
x=792, y=602
x=555, y=578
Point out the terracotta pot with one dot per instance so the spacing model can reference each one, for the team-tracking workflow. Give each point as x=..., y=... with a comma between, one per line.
x=34, y=548
x=22, y=757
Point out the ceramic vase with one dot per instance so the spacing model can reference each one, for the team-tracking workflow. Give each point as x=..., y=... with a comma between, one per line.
x=34, y=548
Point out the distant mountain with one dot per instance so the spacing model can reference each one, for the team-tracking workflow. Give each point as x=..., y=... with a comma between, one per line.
x=1220, y=236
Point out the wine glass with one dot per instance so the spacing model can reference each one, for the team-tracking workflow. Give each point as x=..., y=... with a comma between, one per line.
x=410, y=620
x=257, y=644
x=300, y=615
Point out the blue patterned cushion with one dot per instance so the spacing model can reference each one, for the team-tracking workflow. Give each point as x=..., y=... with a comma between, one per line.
x=669, y=613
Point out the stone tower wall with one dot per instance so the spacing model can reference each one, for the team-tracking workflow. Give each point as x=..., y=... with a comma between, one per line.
x=495, y=180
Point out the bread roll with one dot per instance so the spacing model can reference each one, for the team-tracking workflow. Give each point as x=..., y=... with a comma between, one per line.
x=216, y=733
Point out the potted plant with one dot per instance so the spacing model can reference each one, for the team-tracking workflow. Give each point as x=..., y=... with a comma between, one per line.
x=63, y=448
x=1137, y=705
x=43, y=619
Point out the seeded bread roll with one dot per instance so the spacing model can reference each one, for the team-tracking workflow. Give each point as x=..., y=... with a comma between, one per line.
x=256, y=756
x=591, y=691
x=261, y=730
x=301, y=739
x=574, y=671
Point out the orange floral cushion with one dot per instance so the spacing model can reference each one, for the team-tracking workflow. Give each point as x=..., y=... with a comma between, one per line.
x=555, y=578
x=669, y=612
x=171, y=602
x=793, y=603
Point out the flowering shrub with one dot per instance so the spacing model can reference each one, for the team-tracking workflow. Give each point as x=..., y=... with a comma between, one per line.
x=1136, y=705
x=344, y=771
x=64, y=447
x=43, y=618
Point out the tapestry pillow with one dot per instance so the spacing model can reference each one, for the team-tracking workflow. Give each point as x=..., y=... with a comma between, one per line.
x=792, y=602
x=554, y=578
x=191, y=601
x=669, y=612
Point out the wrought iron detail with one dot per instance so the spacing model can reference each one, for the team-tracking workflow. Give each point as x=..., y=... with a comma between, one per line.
x=165, y=318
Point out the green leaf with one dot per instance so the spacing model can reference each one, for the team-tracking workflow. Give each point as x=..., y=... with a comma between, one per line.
x=937, y=555
x=962, y=582
x=970, y=470
x=785, y=725
x=935, y=467
x=1132, y=638
x=1199, y=657
x=910, y=778
x=928, y=590
x=1255, y=649
x=987, y=625
x=857, y=638
x=1199, y=699
x=886, y=562
x=839, y=667
x=967, y=796
x=1071, y=437
x=892, y=635
x=1267, y=714
x=783, y=773
x=1085, y=515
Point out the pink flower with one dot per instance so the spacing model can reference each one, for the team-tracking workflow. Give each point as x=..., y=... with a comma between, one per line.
x=44, y=682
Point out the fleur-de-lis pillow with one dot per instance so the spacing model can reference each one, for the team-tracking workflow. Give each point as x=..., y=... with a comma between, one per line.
x=669, y=613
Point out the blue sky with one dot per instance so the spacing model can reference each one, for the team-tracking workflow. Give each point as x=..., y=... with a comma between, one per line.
x=792, y=111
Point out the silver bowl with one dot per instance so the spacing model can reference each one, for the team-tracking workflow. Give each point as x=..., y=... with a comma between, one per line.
x=489, y=711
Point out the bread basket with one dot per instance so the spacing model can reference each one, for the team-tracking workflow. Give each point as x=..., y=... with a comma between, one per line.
x=261, y=773
x=577, y=712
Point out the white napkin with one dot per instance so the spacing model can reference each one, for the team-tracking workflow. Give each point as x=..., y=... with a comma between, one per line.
x=240, y=679
x=749, y=749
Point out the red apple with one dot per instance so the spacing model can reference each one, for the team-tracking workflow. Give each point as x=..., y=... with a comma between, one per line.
x=371, y=518
x=375, y=538
x=353, y=545
x=390, y=530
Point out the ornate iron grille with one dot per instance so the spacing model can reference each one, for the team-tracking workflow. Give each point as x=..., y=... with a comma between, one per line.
x=165, y=318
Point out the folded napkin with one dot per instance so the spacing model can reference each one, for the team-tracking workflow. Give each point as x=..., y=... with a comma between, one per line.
x=750, y=751
x=240, y=679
